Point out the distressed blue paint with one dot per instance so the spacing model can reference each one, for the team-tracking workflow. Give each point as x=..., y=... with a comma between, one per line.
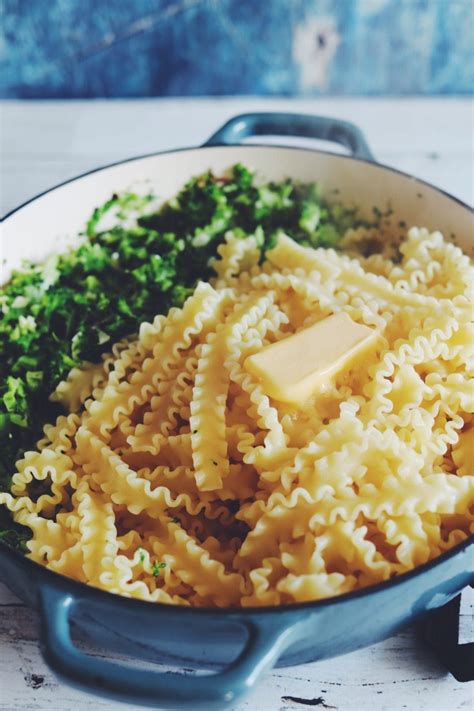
x=93, y=48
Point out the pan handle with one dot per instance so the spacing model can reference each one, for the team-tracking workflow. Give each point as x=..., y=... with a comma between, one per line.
x=267, y=639
x=289, y=124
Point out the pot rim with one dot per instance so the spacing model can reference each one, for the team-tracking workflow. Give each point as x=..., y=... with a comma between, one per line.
x=241, y=146
x=86, y=591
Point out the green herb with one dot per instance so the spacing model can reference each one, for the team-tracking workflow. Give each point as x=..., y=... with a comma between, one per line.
x=15, y=536
x=141, y=555
x=129, y=267
x=156, y=567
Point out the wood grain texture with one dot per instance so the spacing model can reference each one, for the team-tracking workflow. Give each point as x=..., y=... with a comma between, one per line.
x=84, y=48
x=43, y=144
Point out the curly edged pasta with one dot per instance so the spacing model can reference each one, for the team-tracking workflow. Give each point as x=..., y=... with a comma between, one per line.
x=176, y=478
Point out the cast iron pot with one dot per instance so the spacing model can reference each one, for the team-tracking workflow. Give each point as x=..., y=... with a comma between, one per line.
x=241, y=644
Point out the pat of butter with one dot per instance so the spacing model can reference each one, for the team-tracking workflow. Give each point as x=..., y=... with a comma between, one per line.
x=295, y=368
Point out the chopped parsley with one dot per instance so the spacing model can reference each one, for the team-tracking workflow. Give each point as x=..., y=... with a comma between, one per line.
x=156, y=567
x=77, y=304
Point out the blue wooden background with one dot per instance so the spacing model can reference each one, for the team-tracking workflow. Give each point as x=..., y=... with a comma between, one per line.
x=104, y=48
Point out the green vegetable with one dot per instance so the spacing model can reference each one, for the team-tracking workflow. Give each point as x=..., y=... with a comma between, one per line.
x=77, y=304
x=156, y=567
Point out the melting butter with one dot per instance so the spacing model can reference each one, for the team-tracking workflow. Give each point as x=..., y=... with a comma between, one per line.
x=295, y=368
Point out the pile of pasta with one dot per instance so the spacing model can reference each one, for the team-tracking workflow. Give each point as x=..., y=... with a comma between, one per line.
x=176, y=479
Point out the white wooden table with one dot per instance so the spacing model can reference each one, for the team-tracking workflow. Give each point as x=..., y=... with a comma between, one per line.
x=45, y=143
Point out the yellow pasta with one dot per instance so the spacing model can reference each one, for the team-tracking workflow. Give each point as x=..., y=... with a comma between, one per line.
x=176, y=478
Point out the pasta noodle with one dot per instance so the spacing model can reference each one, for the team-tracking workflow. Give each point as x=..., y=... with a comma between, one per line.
x=175, y=478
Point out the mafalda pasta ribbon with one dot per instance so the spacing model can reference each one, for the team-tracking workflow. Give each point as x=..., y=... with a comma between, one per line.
x=177, y=476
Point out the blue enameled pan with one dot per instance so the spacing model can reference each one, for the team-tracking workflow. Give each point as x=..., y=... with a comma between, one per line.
x=238, y=645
